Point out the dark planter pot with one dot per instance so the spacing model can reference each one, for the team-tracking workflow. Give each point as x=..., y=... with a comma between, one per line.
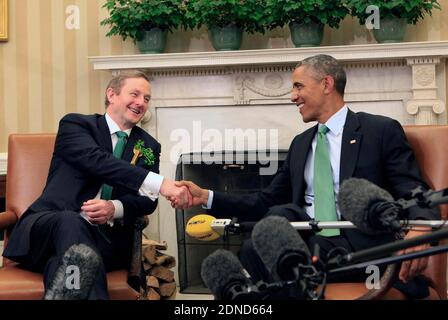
x=226, y=38
x=152, y=41
x=306, y=34
x=391, y=29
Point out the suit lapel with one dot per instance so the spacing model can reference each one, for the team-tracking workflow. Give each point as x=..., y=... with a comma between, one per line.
x=105, y=133
x=351, y=142
x=303, y=147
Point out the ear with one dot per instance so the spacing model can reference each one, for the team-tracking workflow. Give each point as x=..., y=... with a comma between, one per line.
x=329, y=84
x=110, y=93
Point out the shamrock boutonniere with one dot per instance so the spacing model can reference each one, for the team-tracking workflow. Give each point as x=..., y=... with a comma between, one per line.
x=140, y=150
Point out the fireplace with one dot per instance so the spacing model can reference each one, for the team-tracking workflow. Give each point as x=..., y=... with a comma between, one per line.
x=232, y=172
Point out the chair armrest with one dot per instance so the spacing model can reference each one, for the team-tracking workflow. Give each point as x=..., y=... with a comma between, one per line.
x=386, y=282
x=135, y=268
x=7, y=219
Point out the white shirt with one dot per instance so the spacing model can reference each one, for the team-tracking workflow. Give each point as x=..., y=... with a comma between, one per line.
x=334, y=137
x=151, y=184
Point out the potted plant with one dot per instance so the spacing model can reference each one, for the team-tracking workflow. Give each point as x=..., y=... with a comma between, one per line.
x=144, y=21
x=306, y=18
x=226, y=20
x=393, y=15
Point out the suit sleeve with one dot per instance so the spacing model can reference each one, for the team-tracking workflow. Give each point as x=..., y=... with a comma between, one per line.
x=135, y=205
x=252, y=207
x=76, y=145
x=403, y=172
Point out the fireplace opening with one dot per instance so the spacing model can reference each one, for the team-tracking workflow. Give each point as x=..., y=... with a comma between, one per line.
x=239, y=172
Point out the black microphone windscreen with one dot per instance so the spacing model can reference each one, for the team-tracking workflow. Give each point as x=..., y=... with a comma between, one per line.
x=219, y=270
x=355, y=198
x=273, y=238
x=75, y=276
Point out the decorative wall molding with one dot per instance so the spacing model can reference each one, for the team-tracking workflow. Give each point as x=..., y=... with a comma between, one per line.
x=3, y=163
x=175, y=64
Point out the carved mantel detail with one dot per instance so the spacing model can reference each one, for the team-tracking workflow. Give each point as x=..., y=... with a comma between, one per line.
x=273, y=87
x=425, y=104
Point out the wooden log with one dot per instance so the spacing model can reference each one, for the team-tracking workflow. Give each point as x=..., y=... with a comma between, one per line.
x=167, y=289
x=152, y=281
x=147, y=267
x=149, y=254
x=165, y=261
x=153, y=295
x=159, y=245
x=162, y=273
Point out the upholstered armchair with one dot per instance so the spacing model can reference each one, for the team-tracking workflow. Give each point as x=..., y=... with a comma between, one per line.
x=29, y=158
x=430, y=145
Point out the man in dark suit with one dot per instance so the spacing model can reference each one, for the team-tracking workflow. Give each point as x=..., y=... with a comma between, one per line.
x=93, y=193
x=343, y=144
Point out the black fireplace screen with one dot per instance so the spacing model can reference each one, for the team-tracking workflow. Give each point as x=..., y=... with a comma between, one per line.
x=232, y=172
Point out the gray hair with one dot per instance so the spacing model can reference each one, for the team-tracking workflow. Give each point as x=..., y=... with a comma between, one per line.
x=117, y=82
x=324, y=65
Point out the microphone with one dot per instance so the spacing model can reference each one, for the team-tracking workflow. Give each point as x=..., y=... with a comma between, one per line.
x=74, y=278
x=281, y=248
x=224, y=275
x=205, y=227
x=370, y=208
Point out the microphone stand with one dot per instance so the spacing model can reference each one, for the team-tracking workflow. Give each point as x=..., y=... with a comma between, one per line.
x=391, y=260
x=237, y=227
x=389, y=248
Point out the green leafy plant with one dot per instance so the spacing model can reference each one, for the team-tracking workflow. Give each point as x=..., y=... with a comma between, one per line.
x=248, y=15
x=130, y=18
x=411, y=10
x=145, y=152
x=281, y=12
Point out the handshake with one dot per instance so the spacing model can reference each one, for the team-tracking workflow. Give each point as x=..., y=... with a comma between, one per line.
x=183, y=194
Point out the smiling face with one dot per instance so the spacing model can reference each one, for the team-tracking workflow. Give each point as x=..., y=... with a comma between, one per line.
x=129, y=105
x=309, y=94
x=314, y=96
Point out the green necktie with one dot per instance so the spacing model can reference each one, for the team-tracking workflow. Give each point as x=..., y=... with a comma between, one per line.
x=324, y=200
x=106, y=191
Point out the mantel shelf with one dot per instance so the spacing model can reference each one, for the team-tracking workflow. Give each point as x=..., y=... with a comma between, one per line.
x=286, y=56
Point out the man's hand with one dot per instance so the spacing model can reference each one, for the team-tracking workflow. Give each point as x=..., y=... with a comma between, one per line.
x=176, y=194
x=411, y=268
x=200, y=196
x=98, y=211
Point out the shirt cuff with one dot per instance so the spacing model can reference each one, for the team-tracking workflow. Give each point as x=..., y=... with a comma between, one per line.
x=209, y=201
x=151, y=186
x=119, y=212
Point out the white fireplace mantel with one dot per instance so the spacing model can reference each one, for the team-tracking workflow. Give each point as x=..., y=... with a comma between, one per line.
x=265, y=57
x=414, y=71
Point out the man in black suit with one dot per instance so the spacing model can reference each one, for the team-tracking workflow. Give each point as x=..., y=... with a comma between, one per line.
x=93, y=193
x=355, y=145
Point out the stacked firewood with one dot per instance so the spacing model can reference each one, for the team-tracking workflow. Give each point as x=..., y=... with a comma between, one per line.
x=159, y=276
